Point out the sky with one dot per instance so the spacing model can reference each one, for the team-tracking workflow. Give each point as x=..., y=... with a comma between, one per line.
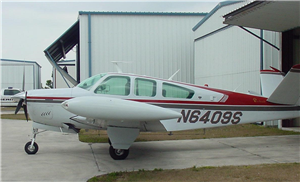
x=29, y=27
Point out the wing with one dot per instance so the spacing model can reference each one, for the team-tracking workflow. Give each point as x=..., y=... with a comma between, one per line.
x=123, y=116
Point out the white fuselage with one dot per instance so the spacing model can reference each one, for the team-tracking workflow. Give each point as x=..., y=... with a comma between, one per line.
x=204, y=108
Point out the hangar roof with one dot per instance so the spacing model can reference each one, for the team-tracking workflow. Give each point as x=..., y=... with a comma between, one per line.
x=142, y=13
x=21, y=61
x=276, y=16
x=59, y=48
x=208, y=15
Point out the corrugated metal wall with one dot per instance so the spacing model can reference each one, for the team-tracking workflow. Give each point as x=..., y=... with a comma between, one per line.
x=271, y=56
x=12, y=74
x=58, y=81
x=155, y=45
x=228, y=59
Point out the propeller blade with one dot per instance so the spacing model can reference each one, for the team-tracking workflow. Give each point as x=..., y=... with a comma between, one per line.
x=25, y=111
x=25, y=106
x=19, y=105
x=25, y=99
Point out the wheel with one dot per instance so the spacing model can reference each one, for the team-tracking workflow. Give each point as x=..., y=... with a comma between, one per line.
x=32, y=150
x=118, y=154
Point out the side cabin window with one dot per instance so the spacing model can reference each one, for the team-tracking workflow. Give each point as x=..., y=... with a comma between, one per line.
x=174, y=91
x=114, y=85
x=144, y=87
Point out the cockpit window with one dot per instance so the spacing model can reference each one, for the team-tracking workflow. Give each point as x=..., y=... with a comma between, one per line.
x=144, y=87
x=174, y=91
x=88, y=83
x=114, y=85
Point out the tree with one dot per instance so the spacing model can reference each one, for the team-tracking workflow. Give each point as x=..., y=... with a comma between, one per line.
x=49, y=84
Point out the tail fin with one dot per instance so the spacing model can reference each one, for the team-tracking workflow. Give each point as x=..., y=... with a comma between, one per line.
x=288, y=91
x=270, y=79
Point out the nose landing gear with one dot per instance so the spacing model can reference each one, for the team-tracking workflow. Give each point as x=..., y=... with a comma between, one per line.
x=31, y=147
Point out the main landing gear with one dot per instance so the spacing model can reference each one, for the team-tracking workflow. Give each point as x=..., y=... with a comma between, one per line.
x=117, y=154
x=31, y=147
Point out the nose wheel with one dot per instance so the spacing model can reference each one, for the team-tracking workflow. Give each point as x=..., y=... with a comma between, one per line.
x=32, y=147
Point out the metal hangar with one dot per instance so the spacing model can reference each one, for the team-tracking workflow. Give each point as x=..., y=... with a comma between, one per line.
x=14, y=71
x=153, y=44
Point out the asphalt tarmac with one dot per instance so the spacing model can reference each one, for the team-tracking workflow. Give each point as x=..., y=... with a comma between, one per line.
x=62, y=157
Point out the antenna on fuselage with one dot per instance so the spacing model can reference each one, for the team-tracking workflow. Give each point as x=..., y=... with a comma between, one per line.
x=237, y=87
x=117, y=66
x=171, y=77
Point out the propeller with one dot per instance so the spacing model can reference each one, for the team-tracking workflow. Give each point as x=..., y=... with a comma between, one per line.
x=23, y=103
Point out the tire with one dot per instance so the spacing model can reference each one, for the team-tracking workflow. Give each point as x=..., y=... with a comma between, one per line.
x=32, y=151
x=118, y=154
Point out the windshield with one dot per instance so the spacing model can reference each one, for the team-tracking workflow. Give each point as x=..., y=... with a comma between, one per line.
x=88, y=83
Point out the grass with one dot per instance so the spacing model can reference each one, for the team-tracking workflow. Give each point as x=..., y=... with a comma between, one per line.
x=8, y=108
x=14, y=116
x=262, y=172
x=245, y=130
x=19, y=116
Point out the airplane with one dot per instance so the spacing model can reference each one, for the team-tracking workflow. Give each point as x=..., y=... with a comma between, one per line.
x=127, y=104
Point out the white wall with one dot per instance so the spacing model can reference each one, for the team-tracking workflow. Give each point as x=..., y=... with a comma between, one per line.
x=12, y=75
x=156, y=45
x=228, y=59
x=59, y=82
x=272, y=55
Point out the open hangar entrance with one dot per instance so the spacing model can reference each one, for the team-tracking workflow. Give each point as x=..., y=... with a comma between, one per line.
x=279, y=16
x=290, y=57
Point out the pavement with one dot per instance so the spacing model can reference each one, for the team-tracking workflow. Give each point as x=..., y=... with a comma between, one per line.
x=62, y=157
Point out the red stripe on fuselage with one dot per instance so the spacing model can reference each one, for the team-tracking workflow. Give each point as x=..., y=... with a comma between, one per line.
x=258, y=102
x=233, y=99
x=48, y=98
